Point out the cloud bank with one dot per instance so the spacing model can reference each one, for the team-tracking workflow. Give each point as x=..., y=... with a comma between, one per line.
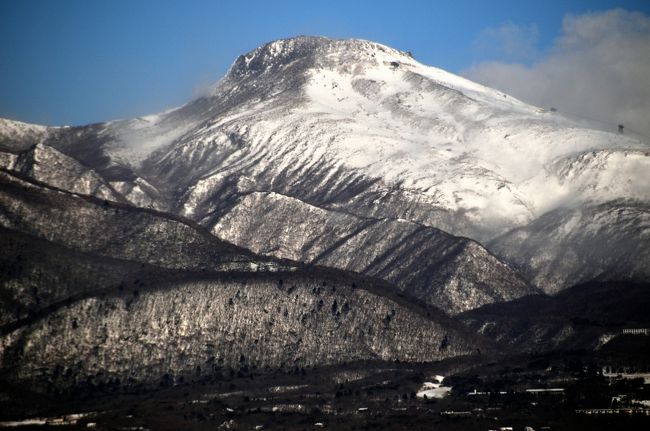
x=599, y=68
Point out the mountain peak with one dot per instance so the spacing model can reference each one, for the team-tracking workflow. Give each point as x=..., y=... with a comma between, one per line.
x=310, y=51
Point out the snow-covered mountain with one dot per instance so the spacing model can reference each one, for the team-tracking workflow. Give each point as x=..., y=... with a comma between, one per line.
x=96, y=293
x=451, y=273
x=355, y=127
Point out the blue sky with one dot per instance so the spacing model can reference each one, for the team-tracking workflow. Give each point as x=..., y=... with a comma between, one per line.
x=83, y=61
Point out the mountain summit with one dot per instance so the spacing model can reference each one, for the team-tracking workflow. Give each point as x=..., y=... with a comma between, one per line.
x=329, y=202
x=356, y=129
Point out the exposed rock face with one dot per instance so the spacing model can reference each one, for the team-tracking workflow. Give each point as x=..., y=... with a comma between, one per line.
x=454, y=274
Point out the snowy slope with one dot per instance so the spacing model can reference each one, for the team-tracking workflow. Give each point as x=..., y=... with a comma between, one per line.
x=46, y=164
x=568, y=246
x=487, y=161
x=16, y=135
x=358, y=127
x=454, y=274
x=110, y=291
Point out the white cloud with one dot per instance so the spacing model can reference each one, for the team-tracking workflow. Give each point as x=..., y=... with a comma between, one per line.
x=598, y=68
